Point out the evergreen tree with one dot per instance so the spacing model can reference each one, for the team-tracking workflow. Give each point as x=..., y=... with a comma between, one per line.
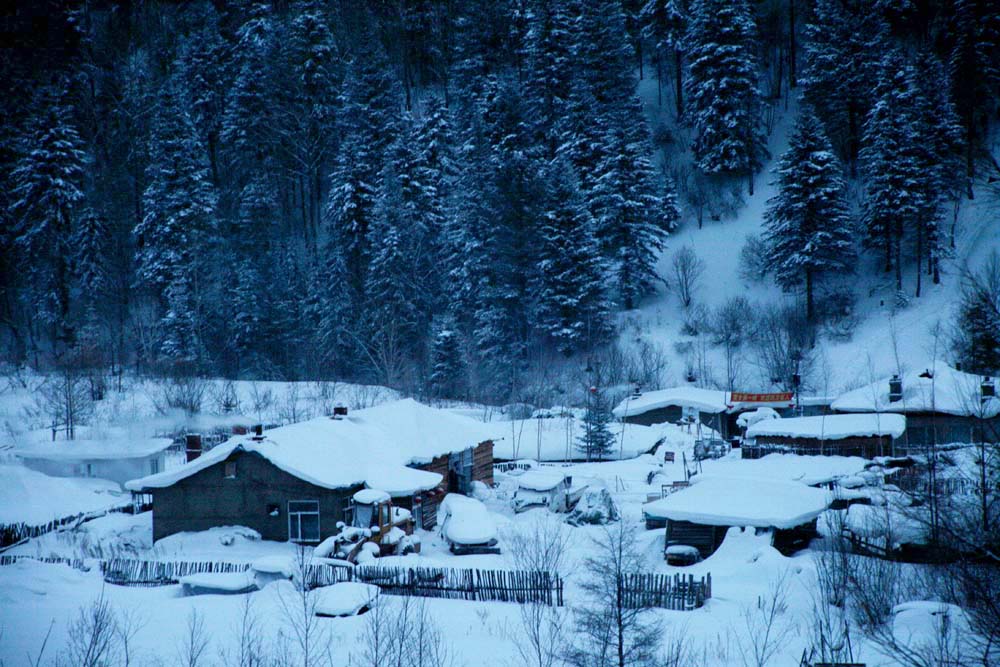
x=178, y=222
x=550, y=65
x=572, y=307
x=447, y=379
x=664, y=23
x=47, y=193
x=722, y=89
x=977, y=330
x=247, y=308
x=839, y=68
x=937, y=145
x=808, y=221
x=633, y=215
x=597, y=440
x=891, y=168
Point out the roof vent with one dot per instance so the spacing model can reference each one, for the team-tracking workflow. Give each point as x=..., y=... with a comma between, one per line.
x=895, y=389
x=339, y=411
x=258, y=432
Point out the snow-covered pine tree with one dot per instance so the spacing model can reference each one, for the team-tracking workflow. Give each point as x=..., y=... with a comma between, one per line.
x=664, y=23
x=938, y=151
x=247, y=303
x=977, y=330
x=808, y=221
x=250, y=115
x=178, y=221
x=549, y=61
x=447, y=378
x=47, y=192
x=201, y=65
x=330, y=312
x=597, y=440
x=890, y=164
x=571, y=301
x=723, y=98
x=180, y=346
x=91, y=247
x=633, y=214
x=257, y=214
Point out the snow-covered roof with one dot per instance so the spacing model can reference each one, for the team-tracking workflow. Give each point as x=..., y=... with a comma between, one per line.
x=832, y=427
x=735, y=501
x=703, y=400
x=948, y=391
x=540, y=480
x=92, y=449
x=372, y=446
x=32, y=497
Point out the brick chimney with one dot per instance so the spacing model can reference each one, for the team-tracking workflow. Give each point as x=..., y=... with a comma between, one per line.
x=895, y=389
x=258, y=432
x=192, y=446
x=987, y=390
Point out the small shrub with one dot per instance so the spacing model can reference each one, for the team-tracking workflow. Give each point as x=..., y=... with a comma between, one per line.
x=753, y=259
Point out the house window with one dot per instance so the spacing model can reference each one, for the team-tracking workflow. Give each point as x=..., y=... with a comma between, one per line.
x=90, y=470
x=303, y=520
x=230, y=471
x=154, y=466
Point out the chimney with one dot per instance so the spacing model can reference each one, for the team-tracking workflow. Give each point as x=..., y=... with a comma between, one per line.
x=987, y=390
x=339, y=411
x=636, y=390
x=192, y=446
x=258, y=432
x=895, y=389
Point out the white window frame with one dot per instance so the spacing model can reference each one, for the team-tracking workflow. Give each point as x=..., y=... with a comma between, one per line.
x=295, y=518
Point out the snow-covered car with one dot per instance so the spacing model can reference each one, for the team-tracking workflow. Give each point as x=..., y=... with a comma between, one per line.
x=466, y=526
x=348, y=598
x=546, y=488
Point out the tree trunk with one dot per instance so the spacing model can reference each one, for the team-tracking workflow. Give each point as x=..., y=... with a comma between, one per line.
x=679, y=81
x=898, y=251
x=920, y=257
x=792, y=80
x=810, y=305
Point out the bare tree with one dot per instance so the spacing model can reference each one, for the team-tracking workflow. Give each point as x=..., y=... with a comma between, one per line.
x=540, y=544
x=731, y=324
x=687, y=269
x=94, y=636
x=184, y=392
x=610, y=630
x=765, y=629
x=194, y=644
x=298, y=608
x=783, y=345
x=261, y=399
x=399, y=632
x=65, y=399
x=250, y=649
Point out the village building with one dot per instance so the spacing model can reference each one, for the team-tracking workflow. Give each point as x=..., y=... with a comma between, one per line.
x=296, y=482
x=942, y=405
x=716, y=409
x=865, y=435
x=700, y=515
x=117, y=459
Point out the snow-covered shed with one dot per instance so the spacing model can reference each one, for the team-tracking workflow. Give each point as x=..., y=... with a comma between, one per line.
x=942, y=405
x=295, y=482
x=118, y=457
x=865, y=435
x=700, y=515
x=714, y=408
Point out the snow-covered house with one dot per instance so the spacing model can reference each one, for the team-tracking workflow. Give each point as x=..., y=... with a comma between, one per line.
x=867, y=435
x=942, y=405
x=296, y=482
x=700, y=516
x=714, y=408
x=118, y=459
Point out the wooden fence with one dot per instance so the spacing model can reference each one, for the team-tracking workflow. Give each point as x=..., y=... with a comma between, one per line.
x=16, y=533
x=678, y=592
x=482, y=585
x=75, y=563
x=129, y=572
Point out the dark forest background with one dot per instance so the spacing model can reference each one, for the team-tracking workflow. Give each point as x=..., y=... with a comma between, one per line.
x=450, y=197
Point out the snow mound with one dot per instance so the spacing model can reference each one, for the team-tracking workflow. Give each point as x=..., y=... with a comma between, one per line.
x=31, y=497
x=465, y=520
x=731, y=501
x=218, y=582
x=345, y=599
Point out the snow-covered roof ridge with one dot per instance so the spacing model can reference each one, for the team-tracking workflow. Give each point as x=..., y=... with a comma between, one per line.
x=372, y=446
x=943, y=389
x=704, y=400
x=740, y=501
x=92, y=448
x=832, y=427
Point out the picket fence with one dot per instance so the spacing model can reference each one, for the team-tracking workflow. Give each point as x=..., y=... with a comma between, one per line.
x=16, y=533
x=677, y=592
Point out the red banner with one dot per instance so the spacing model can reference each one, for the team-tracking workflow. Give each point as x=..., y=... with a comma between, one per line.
x=746, y=397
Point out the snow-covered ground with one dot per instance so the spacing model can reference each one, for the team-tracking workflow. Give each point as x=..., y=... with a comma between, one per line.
x=35, y=596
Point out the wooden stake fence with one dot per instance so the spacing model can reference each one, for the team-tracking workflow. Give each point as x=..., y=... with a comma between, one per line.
x=679, y=592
